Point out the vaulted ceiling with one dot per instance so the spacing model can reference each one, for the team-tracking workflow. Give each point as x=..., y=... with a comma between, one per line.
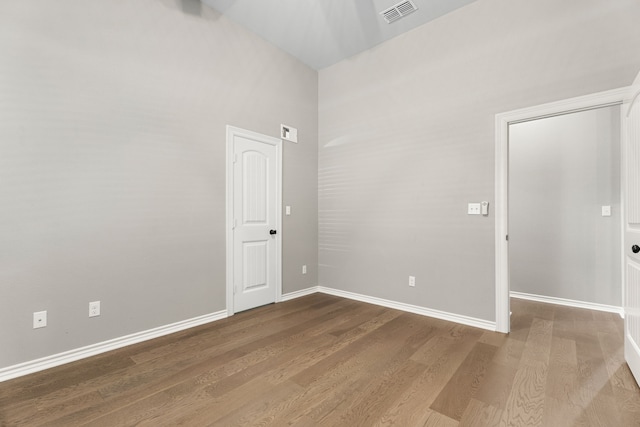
x=323, y=32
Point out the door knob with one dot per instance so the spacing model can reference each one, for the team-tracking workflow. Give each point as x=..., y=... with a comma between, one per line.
x=272, y=232
x=635, y=249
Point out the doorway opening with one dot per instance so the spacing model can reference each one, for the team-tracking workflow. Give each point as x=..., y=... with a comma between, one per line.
x=565, y=219
x=503, y=123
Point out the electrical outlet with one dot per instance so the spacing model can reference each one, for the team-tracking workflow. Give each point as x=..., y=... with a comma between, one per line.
x=412, y=281
x=39, y=319
x=94, y=309
x=304, y=269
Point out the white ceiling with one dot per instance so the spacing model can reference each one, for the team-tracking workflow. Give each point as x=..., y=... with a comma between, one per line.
x=323, y=32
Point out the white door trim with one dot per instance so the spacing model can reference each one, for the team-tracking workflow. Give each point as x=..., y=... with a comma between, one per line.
x=503, y=120
x=231, y=133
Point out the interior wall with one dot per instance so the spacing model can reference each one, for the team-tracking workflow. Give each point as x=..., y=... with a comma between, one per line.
x=407, y=139
x=112, y=164
x=562, y=170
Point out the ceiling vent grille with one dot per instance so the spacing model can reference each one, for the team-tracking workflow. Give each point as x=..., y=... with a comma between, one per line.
x=398, y=11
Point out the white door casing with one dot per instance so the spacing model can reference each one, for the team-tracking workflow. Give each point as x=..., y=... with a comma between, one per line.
x=631, y=238
x=254, y=177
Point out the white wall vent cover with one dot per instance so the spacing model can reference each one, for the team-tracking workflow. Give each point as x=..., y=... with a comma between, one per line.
x=398, y=11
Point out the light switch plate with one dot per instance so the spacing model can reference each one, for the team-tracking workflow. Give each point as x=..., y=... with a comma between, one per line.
x=287, y=210
x=474, y=209
x=606, y=211
x=485, y=208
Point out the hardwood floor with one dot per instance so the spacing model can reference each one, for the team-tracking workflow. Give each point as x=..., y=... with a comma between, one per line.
x=326, y=361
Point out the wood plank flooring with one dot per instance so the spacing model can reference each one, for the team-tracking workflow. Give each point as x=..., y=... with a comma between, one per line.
x=325, y=361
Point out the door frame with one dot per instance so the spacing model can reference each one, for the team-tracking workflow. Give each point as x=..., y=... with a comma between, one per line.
x=502, y=122
x=232, y=132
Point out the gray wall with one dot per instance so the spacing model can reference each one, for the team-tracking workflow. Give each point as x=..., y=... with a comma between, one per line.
x=562, y=170
x=112, y=164
x=407, y=139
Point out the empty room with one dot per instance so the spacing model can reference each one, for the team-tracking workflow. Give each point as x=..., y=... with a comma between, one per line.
x=320, y=213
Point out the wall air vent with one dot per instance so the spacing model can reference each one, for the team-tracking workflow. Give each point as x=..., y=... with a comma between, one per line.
x=398, y=11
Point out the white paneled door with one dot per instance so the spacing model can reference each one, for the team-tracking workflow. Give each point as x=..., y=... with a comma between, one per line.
x=632, y=231
x=254, y=214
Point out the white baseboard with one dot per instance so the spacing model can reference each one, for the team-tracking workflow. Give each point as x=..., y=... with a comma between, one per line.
x=41, y=364
x=443, y=315
x=568, y=302
x=297, y=294
x=32, y=366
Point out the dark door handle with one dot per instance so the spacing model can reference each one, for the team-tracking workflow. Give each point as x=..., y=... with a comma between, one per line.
x=635, y=249
x=272, y=232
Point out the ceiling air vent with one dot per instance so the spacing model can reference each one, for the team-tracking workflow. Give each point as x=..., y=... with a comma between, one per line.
x=398, y=11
